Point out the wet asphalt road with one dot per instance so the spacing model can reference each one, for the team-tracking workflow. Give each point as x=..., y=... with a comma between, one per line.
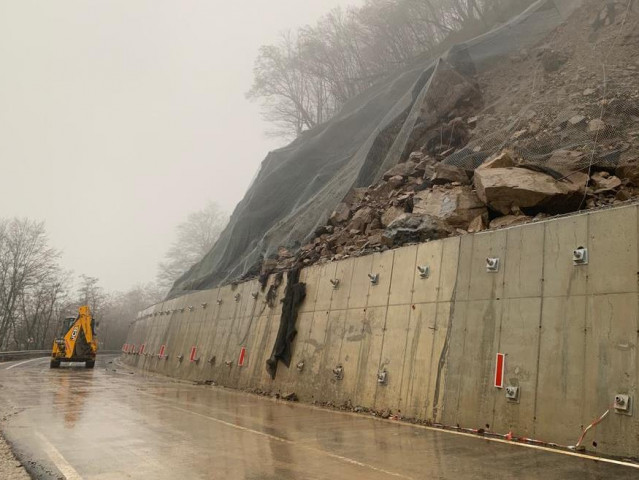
x=108, y=423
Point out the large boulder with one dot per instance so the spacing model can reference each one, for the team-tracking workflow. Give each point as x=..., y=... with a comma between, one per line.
x=456, y=206
x=503, y=160
x=448, y=174
x=404, y=169
x=508, y=189
x=414, y=228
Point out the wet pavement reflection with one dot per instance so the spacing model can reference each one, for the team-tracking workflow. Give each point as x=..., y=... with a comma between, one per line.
x=109, y=423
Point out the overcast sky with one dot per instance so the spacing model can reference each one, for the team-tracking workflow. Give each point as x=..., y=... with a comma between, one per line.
x=118, y=118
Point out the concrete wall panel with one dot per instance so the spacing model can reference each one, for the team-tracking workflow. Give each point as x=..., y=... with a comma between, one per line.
x=561, y=369
x=392, y=359
x=428, y=255
x=464, y=267
x=326, y=382
x=612, y=251
x=360, y=283
x=611, y=367
x=324, y=287
x=483, y=284
x=449, y=265
x=418, y=360
x=310, y=276
x=343, y=273
x=475, y=403
x=356, y=327
x=370, y=352
x=437, y=371
x=403, y=277
x=519, y=340
x=523, y=265
x=561, y=277
x=313, y=351
x=382, y=265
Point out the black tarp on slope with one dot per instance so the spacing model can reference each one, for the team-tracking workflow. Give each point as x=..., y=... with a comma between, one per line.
x=298, y=186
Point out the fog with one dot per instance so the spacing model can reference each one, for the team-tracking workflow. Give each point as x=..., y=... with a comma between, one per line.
x=118, y=118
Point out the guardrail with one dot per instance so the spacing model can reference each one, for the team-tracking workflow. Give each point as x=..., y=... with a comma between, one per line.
x=23, y=354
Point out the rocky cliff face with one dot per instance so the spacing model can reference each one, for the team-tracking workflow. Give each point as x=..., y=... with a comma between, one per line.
x=536, y=118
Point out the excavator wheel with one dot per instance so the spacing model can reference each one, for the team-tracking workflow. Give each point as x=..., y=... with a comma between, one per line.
x=89, y=364
x=55, y=363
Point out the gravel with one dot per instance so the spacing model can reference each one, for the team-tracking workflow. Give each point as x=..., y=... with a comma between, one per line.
x=10, y=468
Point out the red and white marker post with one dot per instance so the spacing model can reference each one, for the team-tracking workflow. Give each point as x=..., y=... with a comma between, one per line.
x=500, y=367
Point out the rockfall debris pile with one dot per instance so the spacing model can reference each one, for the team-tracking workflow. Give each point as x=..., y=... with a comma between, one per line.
x=544, y=132
x=547, y=102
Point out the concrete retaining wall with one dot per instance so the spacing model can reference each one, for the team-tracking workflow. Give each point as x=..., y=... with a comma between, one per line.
x=569, y=332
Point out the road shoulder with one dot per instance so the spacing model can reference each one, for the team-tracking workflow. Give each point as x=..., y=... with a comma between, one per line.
x=10, y=466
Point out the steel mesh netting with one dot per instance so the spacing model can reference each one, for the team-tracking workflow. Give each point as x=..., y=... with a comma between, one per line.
x=522, y=86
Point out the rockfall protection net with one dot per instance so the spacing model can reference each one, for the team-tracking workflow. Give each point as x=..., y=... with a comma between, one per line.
x=545, y=81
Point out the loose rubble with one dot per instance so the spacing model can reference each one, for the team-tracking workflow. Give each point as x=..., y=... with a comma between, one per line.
x=488, y=152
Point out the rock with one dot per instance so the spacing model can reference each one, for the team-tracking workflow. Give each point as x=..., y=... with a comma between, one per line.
x=552, y=60
x=588, y=91
x=629, y=171
x=391, y=214
x=361, y=219
x=375, y=239
x=604, y=182
x=597, y=127
x=577, y=120
x=396, y=181
x=623, y=195
x=448, y=174
x=518, y=134
x=509, y=221
x=381, y=192
x=477, y=224
x=338, y=239
x=413, y=228
x=355, y=195
x=416, y=156
x=375, y=224
x=502, y=189
x=404, y=169
x=503, y=160
x=566, y=161
x=341, y=214
x=457, y=206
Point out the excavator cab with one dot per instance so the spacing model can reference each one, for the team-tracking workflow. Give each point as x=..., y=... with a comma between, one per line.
x=76, y=341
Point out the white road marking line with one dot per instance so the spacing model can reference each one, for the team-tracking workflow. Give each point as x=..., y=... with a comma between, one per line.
x=59, y=461
x=283, y=440
x=22, y=363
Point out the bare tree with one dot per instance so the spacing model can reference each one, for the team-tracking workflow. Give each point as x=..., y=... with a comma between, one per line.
x=308, y=76
x=27, y=265
x=195, y=237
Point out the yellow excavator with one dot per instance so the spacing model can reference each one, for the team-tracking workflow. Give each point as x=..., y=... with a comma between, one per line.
x=77, y=341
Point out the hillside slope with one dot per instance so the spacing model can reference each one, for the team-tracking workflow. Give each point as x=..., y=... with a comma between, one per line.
x=552, y=95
